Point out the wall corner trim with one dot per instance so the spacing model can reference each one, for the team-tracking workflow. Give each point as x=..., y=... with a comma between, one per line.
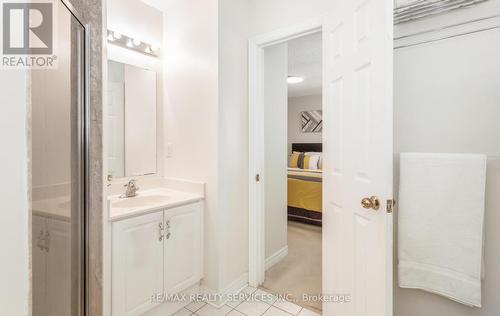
x=233, y=288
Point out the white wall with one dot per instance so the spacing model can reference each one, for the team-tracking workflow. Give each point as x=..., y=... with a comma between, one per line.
x=295, y=106
x=191, y=110
x=233, y=128
x=275, y=146
x=15, y=234
x=269, y=15
x=447, y=100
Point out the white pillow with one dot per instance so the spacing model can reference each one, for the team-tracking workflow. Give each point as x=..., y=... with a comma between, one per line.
x=314, y=162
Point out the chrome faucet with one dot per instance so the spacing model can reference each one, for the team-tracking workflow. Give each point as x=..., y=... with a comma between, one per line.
x=131, y=189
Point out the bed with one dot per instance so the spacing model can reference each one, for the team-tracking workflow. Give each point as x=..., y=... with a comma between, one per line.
x=305, y=189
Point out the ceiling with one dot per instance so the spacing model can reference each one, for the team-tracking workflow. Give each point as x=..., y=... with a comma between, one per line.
x=305, y=60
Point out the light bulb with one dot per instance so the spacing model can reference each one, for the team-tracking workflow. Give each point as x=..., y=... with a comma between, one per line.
x=136, y=42
x=117, y=35
x=294, y=79
x=111, y=38
x=148, y=50
x=130, y=44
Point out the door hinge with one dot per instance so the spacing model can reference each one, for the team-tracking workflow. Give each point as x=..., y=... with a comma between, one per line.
x=390, y=205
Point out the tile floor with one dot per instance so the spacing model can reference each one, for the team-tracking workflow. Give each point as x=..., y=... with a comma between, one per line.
x=256, y=303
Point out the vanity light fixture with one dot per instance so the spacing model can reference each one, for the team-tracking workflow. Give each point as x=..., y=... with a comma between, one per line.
x=135, y=44
x=294, y=79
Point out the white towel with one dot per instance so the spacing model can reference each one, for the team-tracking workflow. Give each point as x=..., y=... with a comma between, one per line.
x=440, y=230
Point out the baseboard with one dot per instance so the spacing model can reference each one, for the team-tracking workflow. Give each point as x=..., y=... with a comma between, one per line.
x=222, y=297
x=276, y=257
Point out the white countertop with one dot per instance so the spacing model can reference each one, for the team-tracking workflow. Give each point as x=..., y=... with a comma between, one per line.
x=56, y=208
x=148, y=201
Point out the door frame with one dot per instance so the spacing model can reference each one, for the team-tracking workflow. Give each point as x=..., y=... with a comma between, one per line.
x=256, y=214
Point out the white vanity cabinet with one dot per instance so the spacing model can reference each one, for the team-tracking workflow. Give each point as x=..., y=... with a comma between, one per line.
x=39, y=266
x=153, y=254
x=51, y=266
x=137, y=263
x=183, y=248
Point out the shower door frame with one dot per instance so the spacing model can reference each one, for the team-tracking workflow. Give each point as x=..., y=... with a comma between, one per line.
x=83, y=124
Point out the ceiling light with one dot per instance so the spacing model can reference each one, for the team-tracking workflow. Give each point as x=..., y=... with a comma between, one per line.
x=294, y=79
x=117, y=35
x=130, y=44
x=136, y=42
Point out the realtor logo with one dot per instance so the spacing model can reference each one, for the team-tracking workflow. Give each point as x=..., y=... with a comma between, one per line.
x=27, y=28
x=28, y=34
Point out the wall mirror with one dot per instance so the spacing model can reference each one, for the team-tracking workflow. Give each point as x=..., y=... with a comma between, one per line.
x=131, y=121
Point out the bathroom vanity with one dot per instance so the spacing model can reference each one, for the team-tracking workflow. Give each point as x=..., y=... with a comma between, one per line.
x=157, y=247
x=154, y=237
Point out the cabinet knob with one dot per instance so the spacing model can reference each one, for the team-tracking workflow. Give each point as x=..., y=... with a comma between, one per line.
x=168, y=230
x=160, y=231
x=39, y=240
x=47, y=241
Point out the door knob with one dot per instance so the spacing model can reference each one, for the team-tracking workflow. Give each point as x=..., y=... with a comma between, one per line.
x=371, y=203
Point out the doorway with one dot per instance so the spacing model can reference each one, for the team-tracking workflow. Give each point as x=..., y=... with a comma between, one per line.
x=357, y=185
x=292, y=167
x=257, y=141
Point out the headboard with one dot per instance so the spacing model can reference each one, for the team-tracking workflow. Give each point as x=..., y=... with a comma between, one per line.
x=307, y=147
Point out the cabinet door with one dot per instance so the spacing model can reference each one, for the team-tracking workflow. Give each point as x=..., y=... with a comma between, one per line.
x=137, y=264
x=39, y=267
x=58, y=268
x=182, y=248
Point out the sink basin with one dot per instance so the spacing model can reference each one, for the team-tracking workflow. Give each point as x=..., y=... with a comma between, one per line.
x=139, y=201
x=149, y=200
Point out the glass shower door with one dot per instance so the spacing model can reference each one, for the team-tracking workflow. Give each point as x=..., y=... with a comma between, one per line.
x=58, y=176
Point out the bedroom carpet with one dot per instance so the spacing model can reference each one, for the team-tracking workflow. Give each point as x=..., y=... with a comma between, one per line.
x=300, y=271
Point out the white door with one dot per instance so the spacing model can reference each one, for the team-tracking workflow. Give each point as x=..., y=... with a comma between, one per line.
x=39, y=267
x=58, y=268
x=358, y=137
x=182, y=248
x=137, y=264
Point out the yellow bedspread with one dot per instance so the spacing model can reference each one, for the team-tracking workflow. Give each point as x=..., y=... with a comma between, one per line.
x=305, y=190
